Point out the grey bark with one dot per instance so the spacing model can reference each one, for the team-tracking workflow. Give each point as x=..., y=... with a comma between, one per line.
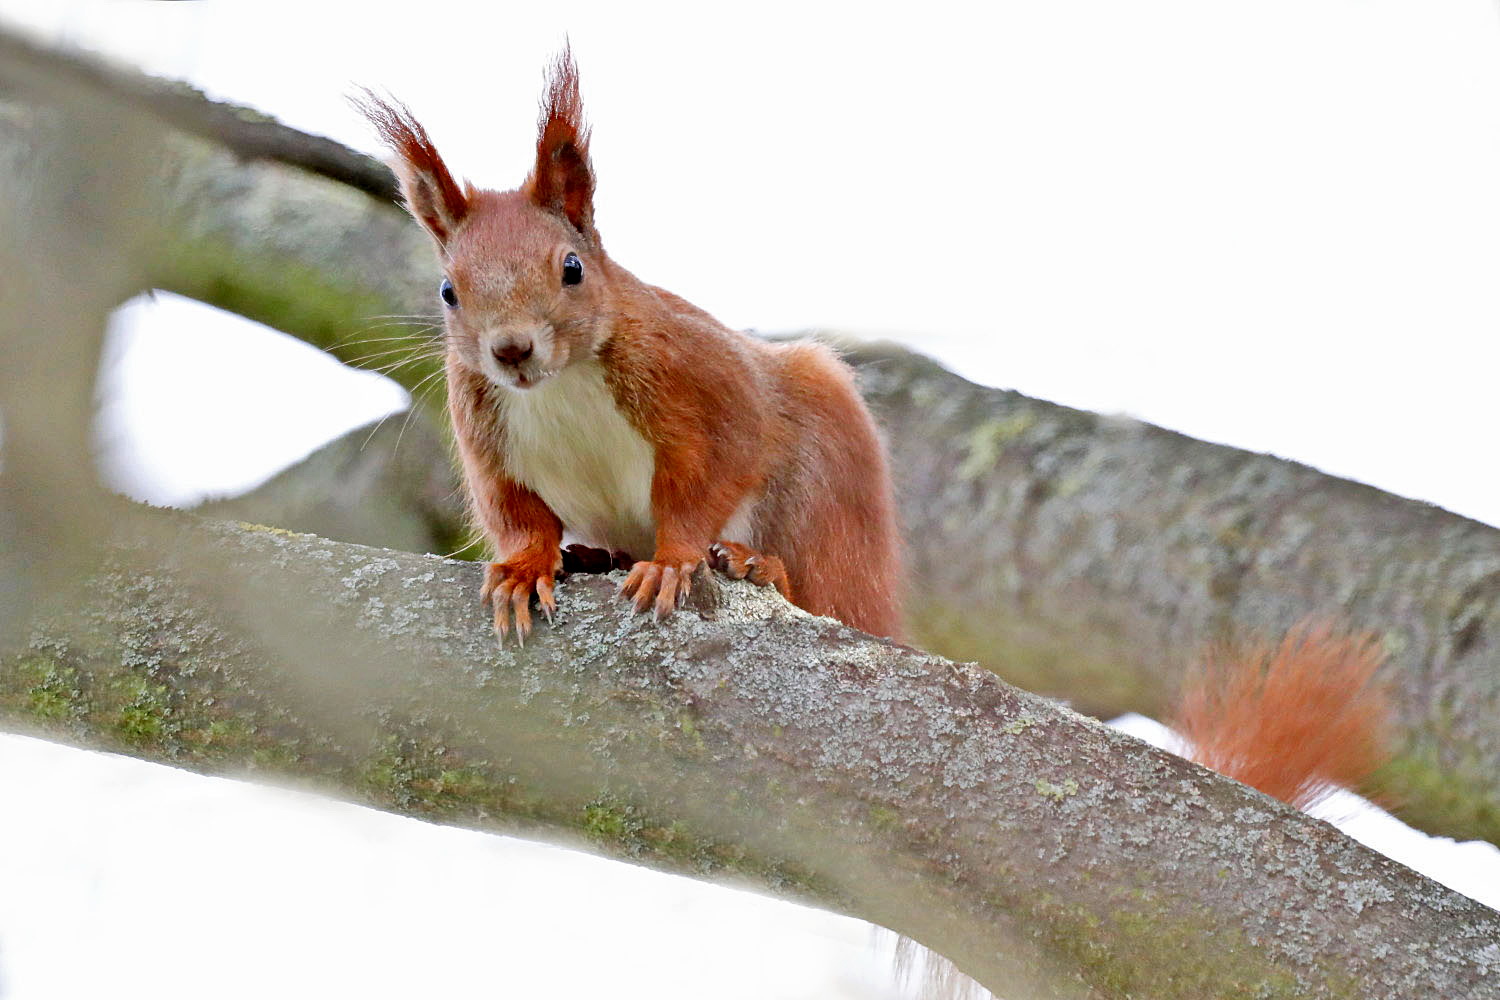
x=1047, y=855
x=1078, y=555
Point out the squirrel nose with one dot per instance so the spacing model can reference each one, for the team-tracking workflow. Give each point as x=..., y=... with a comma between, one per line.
x=511, y=355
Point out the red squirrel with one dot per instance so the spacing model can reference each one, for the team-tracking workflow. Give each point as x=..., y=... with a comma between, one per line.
x=588, y=402
x=1295, y=720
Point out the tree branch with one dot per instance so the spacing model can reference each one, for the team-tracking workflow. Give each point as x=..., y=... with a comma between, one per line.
x=244, y=131
x=1082, y=556
x=1091, y=557
x=76, y=220
x=1042, y=852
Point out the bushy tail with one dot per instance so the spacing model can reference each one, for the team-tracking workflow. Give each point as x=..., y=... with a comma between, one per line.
x=1295, y=720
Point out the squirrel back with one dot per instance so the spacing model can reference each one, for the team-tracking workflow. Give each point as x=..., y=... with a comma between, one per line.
x=1295, y=719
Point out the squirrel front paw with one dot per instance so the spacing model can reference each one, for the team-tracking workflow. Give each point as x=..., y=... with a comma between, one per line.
x=741, y=562
x=666, y=583
x=508, y=586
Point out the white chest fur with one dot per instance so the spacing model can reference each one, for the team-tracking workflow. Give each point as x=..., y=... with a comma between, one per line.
x=568, y=442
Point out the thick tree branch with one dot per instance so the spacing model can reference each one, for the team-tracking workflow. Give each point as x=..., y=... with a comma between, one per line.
x=1082, y=556
x=1045, y=854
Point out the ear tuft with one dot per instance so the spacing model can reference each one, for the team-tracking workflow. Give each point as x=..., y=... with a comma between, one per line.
x=432, y=196
x=563, y=179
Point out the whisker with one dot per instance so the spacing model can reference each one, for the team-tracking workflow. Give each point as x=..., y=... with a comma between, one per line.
x=423, y=390
x=399, y=349
x=373, y=430
x=428, y=383
x=395, y=366
x=417, y=330
x=411, y=411
x=415, y=321
x=397, y=320
x=414, y=337
x=415, y=394
x=456, y=551
x=380, y=340
x=419, y=352
x=414, y=334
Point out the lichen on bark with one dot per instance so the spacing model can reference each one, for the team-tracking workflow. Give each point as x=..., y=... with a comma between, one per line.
x=1044, y=853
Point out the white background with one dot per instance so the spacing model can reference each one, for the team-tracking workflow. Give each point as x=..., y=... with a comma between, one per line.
x=1275, y=224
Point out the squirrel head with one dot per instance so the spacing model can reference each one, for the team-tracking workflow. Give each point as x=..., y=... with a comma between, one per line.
x=525, y=284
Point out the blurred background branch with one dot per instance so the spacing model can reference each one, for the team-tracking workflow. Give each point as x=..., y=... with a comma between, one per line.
x=79, y=219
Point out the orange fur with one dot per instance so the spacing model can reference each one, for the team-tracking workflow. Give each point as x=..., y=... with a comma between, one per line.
x=740, y=562
x=431, y=193
x=563, y=179
x=1295, y=720
x=702, y=430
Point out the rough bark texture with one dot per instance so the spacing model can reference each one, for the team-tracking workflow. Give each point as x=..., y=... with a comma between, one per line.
x=1047, y=855
x=1081, y=556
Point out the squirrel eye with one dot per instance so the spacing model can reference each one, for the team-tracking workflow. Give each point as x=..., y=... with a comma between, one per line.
x=448, y=295
x=572, y=269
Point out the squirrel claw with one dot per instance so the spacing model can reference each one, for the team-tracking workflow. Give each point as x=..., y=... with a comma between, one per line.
x=740, y=562
x=667, y=592
x=508, y=588
x=544, y=597
x=660, y=586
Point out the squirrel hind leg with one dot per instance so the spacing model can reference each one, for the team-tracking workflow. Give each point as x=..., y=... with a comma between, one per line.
x=741, y=562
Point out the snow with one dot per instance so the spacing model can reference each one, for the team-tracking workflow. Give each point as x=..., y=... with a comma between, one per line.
x=121, y=878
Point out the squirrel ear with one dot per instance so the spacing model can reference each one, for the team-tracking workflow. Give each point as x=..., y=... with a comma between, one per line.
x=432, y=196
x=563, y=179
